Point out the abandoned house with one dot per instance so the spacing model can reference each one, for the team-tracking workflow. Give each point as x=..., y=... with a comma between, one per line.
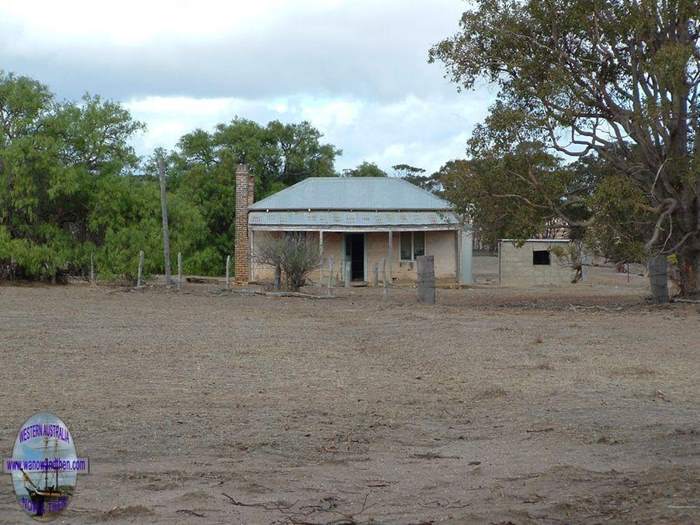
x=359, y=224
x=535, y=262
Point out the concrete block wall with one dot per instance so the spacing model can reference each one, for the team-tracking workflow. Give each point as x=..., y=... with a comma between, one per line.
x=516, y=266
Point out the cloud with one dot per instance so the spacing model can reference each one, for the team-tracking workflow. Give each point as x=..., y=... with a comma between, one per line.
x=332, y=113
x=422, y=132
x=241, y=49
x=355, y=68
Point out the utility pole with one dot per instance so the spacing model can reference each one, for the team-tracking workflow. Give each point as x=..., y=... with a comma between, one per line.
x=164, y=208
x=139, y=279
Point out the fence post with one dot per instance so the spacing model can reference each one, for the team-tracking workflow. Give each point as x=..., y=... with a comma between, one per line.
x=658, y=278
x=330, y=275
x=278, y=278
x=228, y=272
x=92, y=269
x=179, y=270
x=426, y=279
x=164, y=214
x=348, y=272
x=376, y=275
x=384, y=279
x=139, y=280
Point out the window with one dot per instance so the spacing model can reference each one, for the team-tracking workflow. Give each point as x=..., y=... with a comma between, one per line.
x=418, y=244
x=412, y=245
x=541, y=258
x=406, y=246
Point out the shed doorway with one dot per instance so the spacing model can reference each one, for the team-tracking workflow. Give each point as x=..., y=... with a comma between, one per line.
x=355, y=255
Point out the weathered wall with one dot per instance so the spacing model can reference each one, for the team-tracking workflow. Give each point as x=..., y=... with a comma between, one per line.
x=517, y=269
x=332, y=244
x=441, y=245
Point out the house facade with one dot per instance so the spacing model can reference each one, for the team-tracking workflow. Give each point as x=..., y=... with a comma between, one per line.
x=362, y=225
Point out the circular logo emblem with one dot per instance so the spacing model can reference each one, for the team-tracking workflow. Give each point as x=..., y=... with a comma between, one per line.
x=44, y=466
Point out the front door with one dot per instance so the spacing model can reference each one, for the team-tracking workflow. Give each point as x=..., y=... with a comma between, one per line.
x=355, y=255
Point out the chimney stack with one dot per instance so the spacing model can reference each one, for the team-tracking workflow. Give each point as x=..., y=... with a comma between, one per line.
x=245, y=196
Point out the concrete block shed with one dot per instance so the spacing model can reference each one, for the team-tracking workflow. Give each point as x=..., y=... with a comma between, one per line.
x=533, y=263
x=358, y=223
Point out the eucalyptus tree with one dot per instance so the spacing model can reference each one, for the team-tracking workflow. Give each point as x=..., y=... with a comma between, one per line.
x=365, y=169
x=619, y=79
x=203, y=164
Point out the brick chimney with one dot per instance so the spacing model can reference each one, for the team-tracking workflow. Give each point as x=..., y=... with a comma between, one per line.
x=245, y=196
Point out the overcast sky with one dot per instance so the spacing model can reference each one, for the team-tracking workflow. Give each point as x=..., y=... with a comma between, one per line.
x=356, y=69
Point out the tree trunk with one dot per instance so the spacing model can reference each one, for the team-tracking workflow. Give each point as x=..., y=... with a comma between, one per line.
x=658, y=278
x=689, y=269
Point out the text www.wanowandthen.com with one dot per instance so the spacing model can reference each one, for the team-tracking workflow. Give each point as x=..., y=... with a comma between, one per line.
x=40, y=465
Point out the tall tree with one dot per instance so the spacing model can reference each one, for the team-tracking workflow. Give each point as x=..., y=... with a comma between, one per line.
x=366, y=169
x=277, y=154
x=512, y=195
x=25, y=106
x=67, y=188
x=417, y=177
x=619, y=78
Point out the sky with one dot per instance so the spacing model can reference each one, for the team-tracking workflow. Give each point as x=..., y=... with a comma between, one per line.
x=356, y=69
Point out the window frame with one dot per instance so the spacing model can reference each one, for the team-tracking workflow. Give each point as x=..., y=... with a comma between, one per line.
x=538, y=260
x=413, y=245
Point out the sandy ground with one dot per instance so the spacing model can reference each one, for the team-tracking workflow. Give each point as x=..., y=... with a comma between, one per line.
x=572, y=405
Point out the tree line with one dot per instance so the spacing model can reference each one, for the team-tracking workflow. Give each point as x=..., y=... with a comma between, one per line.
x=595, y=130
x=73, y=191
x=72, y=187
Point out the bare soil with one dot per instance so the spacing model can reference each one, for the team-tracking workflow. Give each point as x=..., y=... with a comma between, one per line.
x=569, y=405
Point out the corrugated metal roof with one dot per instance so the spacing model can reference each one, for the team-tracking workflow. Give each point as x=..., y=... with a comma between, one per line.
x=348, y=193
x=357, y=219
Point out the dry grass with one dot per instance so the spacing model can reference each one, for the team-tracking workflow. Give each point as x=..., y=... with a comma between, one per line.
x=544, y=366
x=633, y=371
x=410, y=413
x=495, y=392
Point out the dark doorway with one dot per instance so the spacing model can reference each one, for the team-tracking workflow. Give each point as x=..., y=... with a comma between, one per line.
x=355, y=253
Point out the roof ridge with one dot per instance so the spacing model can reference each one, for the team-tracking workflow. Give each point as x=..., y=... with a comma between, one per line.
x=359, y=193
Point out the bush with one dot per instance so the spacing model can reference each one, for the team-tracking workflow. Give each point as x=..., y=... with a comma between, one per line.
x=44, y=259
x=292, y=255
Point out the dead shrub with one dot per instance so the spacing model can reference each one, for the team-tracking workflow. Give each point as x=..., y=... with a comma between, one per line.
x=633, y=371
x=495, y=392
x=292, y=255
x=544, y=366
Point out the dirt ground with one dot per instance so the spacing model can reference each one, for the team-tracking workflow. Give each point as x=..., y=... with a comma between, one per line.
x=570, y=405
